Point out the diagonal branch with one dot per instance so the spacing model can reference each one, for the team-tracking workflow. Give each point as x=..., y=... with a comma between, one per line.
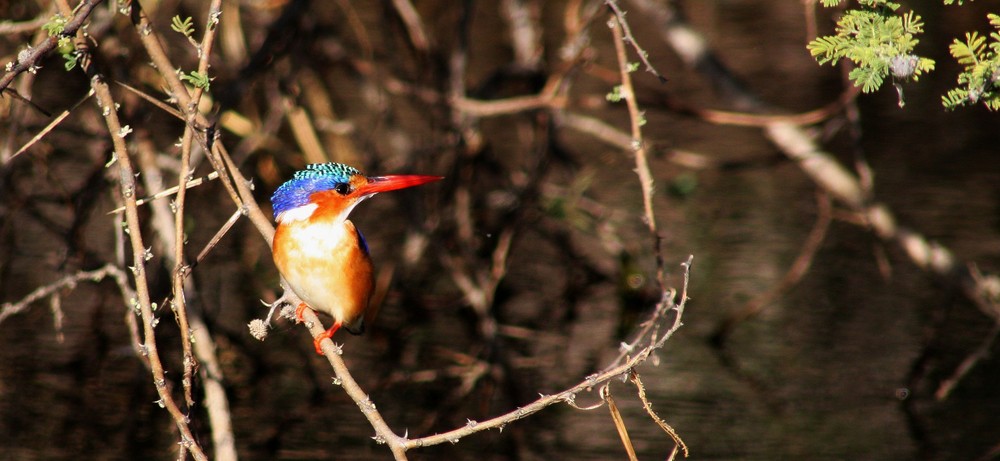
x=29, y=58
x=569, y=395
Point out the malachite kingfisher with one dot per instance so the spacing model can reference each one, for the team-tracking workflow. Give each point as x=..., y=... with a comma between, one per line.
x=320, y=253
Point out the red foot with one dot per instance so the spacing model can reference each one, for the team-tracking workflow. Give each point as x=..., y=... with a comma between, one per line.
x=298, y=312
x=325, y=335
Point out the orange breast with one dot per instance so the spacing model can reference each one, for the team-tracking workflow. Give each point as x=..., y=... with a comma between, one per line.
x=325, y=265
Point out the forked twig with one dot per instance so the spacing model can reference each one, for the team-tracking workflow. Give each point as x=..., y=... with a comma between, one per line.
x=70, y=281
x=140, y=254
x=627, y=37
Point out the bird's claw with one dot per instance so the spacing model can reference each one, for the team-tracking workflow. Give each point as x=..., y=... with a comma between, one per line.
x=319, y=339
x=298, y=312
x=325, y=335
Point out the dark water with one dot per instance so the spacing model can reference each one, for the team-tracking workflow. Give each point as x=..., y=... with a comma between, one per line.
x=843, y=366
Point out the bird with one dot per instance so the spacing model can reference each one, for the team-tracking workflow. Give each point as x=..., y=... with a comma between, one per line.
x=321, y=254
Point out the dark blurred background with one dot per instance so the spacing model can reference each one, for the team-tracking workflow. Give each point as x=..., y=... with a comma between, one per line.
x=844, y=364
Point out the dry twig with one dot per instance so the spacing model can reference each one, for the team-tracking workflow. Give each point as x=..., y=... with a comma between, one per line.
x=70, y=281
x=636, y=117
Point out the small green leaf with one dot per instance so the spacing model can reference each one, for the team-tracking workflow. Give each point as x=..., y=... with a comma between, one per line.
x=183, y=26
x=70, y=61
x=615, y=95
x=197, y=79
x=867, y=78
x=56, y=25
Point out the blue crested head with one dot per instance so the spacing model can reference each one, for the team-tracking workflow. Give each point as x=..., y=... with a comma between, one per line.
x=315, y=178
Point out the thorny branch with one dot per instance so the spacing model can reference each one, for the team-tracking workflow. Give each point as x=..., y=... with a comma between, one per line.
x=626, y=37
x=190, y=323
x=29, y=58
x=646, y=342
x=636, y=118
x=140, y=254
x=649, y=339
x=128, y=189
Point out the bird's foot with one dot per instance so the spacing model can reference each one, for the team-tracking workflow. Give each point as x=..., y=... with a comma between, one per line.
x=298, y=312
x=325, y=335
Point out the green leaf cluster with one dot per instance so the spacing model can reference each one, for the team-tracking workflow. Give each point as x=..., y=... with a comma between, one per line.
x=197, y=79
x=55, y=28
x=877, y=41
x=56, y=25
x=980, y=77
x=867, y=4
x=615, y=95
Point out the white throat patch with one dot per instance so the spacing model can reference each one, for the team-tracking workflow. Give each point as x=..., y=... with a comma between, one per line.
x=299, y=213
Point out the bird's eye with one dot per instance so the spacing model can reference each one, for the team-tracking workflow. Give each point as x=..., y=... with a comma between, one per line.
x=343, y=188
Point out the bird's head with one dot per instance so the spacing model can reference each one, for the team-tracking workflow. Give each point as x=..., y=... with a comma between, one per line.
x=333, y=189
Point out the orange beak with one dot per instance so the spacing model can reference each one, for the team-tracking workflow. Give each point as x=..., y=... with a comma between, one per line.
x=378, y=184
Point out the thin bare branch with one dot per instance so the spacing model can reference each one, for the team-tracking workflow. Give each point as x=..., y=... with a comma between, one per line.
x=70, y=281
x=21, y=27
x=51, y=126
x=616, y=416
x=638, y=145
x=796, y=271
x=414, y=25
x=648, y=406
x=171, y=191
x=218, y=235
x=616, y=370
x=982, y=352
x=333, y=354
